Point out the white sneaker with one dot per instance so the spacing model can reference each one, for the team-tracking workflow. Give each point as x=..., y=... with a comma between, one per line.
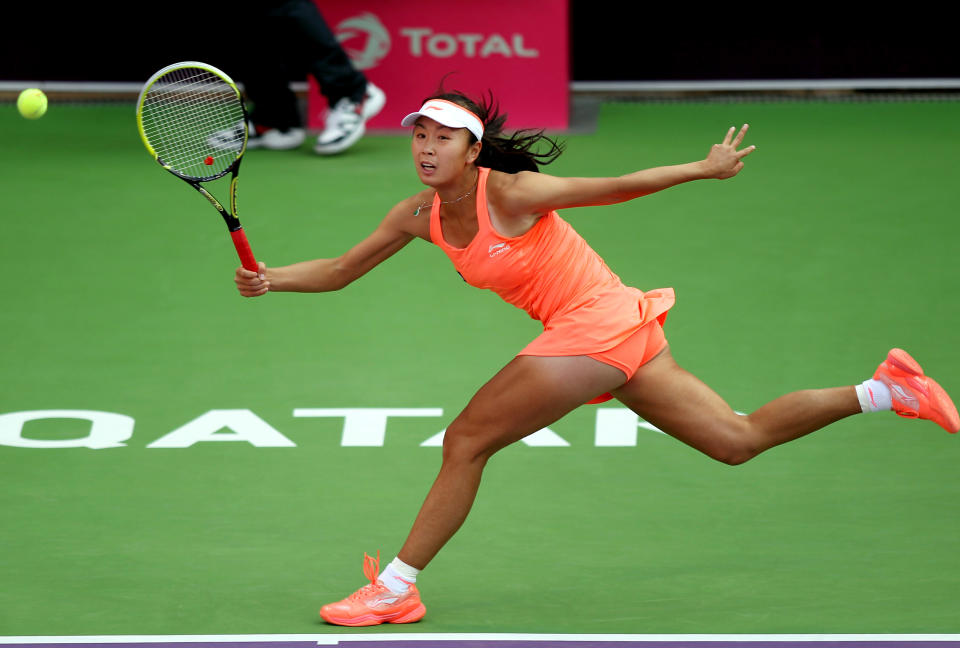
x=346, y=121
x=276, y=140
x=229, y=139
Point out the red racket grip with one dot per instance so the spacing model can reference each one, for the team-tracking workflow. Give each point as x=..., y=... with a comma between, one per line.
x=243, y=249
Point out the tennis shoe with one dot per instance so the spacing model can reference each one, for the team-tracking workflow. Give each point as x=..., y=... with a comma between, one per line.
x=914, y=394
x=375, y=603
x=228, y=139
x=346, y=121
x=273, y=139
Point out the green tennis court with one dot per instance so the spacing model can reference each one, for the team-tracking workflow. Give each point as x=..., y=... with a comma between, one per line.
x=232, y=505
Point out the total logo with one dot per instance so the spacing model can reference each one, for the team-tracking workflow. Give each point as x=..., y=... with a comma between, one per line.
x=367, y=42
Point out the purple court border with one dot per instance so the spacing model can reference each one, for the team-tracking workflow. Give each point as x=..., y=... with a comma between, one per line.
x=520, y=643
x=190, y=644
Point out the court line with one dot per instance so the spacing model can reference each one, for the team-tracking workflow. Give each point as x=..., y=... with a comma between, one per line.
x=336, y=639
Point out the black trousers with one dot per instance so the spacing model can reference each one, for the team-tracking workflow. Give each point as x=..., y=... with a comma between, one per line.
x=293, y=41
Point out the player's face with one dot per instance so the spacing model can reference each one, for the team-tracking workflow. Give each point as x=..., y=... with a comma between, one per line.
x=441, y=154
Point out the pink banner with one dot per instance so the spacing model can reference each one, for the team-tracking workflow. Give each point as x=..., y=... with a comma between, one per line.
x=517, y=49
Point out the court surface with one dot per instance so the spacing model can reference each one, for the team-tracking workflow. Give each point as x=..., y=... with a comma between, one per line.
x=178, y=462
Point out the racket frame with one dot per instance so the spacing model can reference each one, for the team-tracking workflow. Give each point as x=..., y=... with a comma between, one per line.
x=229, y=215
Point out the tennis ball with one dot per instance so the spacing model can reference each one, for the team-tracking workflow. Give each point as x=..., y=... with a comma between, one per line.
x=32, y=103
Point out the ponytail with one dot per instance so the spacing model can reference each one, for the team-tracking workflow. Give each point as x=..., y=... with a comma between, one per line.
x=518, y=151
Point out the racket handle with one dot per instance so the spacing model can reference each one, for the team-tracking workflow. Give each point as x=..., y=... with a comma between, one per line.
x=243, y=249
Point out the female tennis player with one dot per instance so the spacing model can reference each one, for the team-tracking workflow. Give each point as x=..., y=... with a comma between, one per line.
x=489, y=210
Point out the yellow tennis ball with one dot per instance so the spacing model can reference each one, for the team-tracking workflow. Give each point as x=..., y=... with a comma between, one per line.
x=32, y=103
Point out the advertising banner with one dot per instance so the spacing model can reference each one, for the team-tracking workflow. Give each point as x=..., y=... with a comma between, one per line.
x=516, y=49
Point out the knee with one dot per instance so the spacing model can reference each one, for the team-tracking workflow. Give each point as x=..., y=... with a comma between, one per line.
x=736, y=456
x=464, y=442
x=734, y=444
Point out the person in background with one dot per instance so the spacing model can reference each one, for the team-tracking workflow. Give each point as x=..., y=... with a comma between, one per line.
x=294, y=42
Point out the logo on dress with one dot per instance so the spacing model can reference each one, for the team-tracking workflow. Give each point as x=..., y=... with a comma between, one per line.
x=497, y=249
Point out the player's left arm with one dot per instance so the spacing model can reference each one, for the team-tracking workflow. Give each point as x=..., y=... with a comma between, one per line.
x=539, y=193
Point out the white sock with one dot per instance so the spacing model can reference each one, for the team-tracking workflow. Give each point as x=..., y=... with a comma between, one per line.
x=874, y=396
x=399, y=576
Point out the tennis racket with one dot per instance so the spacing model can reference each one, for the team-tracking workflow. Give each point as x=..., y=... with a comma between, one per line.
x=192, y=121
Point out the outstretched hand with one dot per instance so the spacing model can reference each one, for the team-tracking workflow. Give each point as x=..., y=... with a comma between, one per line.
x=724, y=160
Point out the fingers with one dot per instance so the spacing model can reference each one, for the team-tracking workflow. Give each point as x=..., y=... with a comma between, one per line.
x=734, y=142
x=739, y=138
x=252, y=284
x=726, y=140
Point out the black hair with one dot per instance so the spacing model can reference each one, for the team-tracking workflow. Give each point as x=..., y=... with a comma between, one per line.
x=504, y=152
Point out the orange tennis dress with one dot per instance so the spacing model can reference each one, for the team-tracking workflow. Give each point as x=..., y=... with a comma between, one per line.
x=557, y=278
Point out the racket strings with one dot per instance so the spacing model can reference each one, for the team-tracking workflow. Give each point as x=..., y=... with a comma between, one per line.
x=193, y=120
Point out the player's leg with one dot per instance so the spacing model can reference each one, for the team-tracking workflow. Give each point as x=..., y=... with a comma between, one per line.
x=525, y=396
x=528, y=394
x=681, y=405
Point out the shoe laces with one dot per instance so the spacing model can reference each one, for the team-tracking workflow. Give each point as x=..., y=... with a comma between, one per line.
x=371, y=569
x=344, y=114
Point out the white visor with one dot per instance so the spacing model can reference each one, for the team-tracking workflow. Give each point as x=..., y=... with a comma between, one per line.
x=449, y=114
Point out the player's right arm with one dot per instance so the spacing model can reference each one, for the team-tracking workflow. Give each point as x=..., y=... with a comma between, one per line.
x=398, y=228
